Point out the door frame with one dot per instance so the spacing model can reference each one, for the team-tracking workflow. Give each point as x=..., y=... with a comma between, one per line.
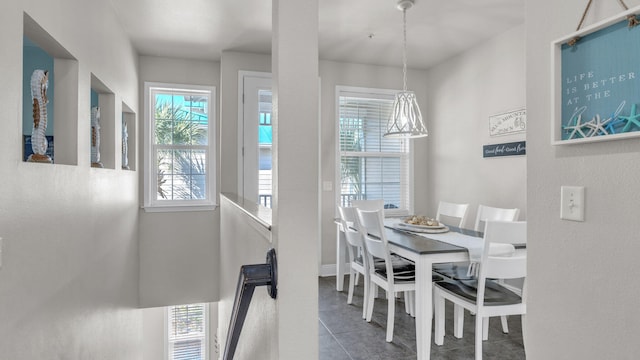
x=242, y=75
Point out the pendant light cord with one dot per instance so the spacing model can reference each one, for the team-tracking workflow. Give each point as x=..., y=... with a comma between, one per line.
x=404, y=49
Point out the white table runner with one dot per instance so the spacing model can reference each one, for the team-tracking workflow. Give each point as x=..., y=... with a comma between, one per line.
x=473, y=244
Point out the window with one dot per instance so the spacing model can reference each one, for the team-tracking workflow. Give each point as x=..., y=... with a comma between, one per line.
x=371, y=167
x=179, y=158
x=187, y=332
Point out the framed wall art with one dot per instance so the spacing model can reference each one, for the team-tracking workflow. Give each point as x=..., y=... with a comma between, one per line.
x=595, y=77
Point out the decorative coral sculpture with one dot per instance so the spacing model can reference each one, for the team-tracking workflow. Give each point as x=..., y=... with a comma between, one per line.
x=125, y=145
x=95, y=137
x=39, y=144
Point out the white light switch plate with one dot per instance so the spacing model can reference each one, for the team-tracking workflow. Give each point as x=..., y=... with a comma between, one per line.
x=572, y=203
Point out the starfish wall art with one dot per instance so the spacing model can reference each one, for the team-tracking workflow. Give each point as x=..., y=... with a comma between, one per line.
x=578, y=128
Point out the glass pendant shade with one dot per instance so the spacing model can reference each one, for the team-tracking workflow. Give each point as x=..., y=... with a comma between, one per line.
x=406, y=118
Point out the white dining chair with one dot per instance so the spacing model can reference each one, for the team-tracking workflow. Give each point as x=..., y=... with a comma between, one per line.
x=486, y=213
x=452, y=213
x=484, y=296
x=374, y=204
x=358, y=263
x=366, y=205
x=460, y=270
x=393, y=276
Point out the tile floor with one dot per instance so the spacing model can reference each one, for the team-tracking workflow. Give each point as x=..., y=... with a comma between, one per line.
x=344, y=335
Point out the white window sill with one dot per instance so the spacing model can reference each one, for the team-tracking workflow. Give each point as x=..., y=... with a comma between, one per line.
x=179, y=208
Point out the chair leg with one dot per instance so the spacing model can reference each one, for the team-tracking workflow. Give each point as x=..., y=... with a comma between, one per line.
x=439, y=317
x=478, y=343
x=357, y=278
x=505, y=325
x=523, y=321
x=365, y=297
x=407, y=302
x=485, y=328
x=391, y=312
x=503, y=318
x=412, y=308
x=351, y=286
x=458, y=321
x=372, y=289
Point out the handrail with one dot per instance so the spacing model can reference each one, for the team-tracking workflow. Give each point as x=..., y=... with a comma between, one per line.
x=250, y=277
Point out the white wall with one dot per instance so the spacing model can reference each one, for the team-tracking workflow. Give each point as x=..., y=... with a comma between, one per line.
x=245, y=241
x=463, y=92
x=583, y=279
x=178, y=250
x=69, y=275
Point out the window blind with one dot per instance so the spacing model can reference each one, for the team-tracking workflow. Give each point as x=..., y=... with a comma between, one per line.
x=187, y=332
x=371, y=166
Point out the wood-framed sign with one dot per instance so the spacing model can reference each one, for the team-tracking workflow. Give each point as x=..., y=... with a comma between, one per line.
x=595, y=91
x=504, y=149
x=511, y=122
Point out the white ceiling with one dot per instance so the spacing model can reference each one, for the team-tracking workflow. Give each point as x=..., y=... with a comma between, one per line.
x=360, y=31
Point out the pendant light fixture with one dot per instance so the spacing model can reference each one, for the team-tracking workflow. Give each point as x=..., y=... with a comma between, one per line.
x=406, y=118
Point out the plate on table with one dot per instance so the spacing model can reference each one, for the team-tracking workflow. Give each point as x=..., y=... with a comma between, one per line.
x=441, y=228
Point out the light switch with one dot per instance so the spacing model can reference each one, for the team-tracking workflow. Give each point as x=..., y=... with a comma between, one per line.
x=572, y=203
x=327, y=186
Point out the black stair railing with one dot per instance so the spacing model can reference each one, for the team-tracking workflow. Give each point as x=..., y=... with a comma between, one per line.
x=250, y=277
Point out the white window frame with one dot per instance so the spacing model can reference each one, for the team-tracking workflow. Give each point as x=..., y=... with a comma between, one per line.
x=167, y=341
x=372, y=93
x=151, y=204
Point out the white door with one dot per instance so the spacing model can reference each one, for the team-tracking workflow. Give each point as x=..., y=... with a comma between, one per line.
x=256, y=142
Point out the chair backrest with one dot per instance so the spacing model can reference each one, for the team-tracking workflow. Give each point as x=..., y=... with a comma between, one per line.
x=350, y=225
x=377, y=204
x=372, y=229
x=449, y=212
x=502, y=267
x=488, y=213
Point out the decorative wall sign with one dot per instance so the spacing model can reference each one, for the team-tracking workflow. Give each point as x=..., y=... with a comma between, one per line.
x=596, y=83
x=508, y=123
x=505, y=149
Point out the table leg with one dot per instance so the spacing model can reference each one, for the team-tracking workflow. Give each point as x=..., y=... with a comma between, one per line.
x=424, y=299
x=341, y=247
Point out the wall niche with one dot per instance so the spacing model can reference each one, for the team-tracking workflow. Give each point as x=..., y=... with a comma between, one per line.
x=128, y=138
x=50, y=98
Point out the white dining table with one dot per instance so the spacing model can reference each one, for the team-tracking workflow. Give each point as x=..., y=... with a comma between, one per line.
x=424, y=252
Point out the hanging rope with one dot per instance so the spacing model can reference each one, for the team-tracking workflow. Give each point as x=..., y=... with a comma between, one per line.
x=631, y=18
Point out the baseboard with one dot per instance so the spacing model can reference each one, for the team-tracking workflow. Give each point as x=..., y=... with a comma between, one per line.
x=329, y=270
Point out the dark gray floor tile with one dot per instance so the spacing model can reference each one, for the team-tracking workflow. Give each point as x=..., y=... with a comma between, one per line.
x=362, y=340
